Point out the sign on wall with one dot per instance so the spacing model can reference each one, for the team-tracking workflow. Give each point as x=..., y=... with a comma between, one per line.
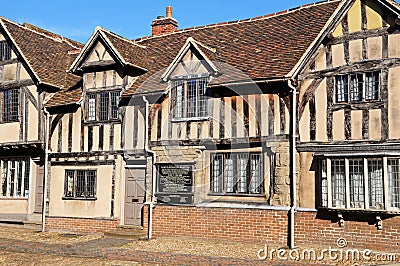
x=175, y=184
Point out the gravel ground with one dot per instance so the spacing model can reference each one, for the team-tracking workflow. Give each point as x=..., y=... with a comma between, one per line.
x=14, y=258
x=156, y=248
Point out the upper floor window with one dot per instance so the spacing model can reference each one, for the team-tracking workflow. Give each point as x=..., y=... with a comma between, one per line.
x=361, y=183
x=357, y=87
x=102, y=106
x=189, y=98
x=15, y=178
x=80, y=184
x=237, y=173
x=5, y=51
x=9, y=103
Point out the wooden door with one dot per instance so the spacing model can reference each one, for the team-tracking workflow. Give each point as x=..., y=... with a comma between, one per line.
x=39, y=189
x=134, y=196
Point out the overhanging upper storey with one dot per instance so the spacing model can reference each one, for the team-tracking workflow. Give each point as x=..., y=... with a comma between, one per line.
x=106, y=50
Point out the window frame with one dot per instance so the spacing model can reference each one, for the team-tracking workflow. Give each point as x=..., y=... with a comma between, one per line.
x=379, y=192
x=94, y=106
x=235, y=189
x=15, y=178
x=10, y=105
x=74, y=191
x=356, y=87
x=5, y=51
x=182, y=105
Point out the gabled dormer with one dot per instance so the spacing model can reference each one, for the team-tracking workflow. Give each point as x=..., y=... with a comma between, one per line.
x=107, y=63
x=188, y=75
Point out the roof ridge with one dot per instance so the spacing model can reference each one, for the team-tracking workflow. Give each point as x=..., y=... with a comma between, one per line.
x=220, y=24
x=60, y=40
x=99, y=28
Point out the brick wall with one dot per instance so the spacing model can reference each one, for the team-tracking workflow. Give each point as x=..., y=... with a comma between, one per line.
x=81, y=225
x=271, y=226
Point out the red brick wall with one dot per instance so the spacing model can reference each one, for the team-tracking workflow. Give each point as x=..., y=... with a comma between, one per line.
x=81, y=225
x=271, y=226
x=358, y=234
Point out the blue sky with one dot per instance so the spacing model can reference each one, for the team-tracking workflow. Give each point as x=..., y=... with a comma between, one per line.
x=132, y=18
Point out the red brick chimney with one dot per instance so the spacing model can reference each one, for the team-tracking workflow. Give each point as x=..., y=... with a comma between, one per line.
x=164, y=24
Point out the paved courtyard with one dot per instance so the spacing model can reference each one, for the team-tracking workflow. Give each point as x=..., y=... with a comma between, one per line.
x=23, y=246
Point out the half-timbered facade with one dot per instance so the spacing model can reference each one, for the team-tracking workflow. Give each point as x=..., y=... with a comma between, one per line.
x=281, y=128
x=24, y=85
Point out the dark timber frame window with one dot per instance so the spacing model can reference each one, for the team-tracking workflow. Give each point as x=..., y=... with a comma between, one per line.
x=237, y=173
x=189, y=98
x=357, y=87
x=80, y=184
x=361, y=183
x=5, y=51
x=9, y=103
x=102, y=106
x=15, y=178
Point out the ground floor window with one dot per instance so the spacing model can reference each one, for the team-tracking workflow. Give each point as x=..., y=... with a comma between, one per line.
x=361, y=183
x=80, y=184
x=237, y=173
x=15, y=178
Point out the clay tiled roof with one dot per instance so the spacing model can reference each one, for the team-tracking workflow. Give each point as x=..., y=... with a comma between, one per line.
x=266, y=47
x=48, y=55
x=132, y=53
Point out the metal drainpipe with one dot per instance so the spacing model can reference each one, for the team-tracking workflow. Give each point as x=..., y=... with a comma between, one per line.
x=293, y=162
x=152, y=203
x=46, y=170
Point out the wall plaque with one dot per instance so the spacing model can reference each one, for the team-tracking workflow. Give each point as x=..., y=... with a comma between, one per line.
x=175, y=184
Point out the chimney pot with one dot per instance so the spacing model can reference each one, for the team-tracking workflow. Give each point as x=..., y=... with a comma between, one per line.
x=164, y=24
x=169, y=11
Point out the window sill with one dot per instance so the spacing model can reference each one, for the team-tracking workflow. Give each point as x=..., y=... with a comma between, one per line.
x=365, y=211
x=95, y=122
x=190, y=119
x=13, y=198
x=261, y=195
x=80, y=199
x=361, y=105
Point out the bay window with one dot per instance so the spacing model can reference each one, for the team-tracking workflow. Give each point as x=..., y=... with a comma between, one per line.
x=360, y=183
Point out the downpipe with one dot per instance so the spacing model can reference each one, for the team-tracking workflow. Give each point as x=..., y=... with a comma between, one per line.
x=293, y=202
x=46, y=168
x=152, y=203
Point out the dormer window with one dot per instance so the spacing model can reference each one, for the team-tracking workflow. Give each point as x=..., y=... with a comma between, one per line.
x=5, y=51
x=188, y=98
x=102, y=106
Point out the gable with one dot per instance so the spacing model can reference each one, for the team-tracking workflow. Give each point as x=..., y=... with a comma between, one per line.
x=191, y=60
x=11, y=70
x=368, y=16
x=99, y=53
x=191, y=64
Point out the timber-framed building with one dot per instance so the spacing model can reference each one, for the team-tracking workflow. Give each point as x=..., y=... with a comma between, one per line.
x=281, y=128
